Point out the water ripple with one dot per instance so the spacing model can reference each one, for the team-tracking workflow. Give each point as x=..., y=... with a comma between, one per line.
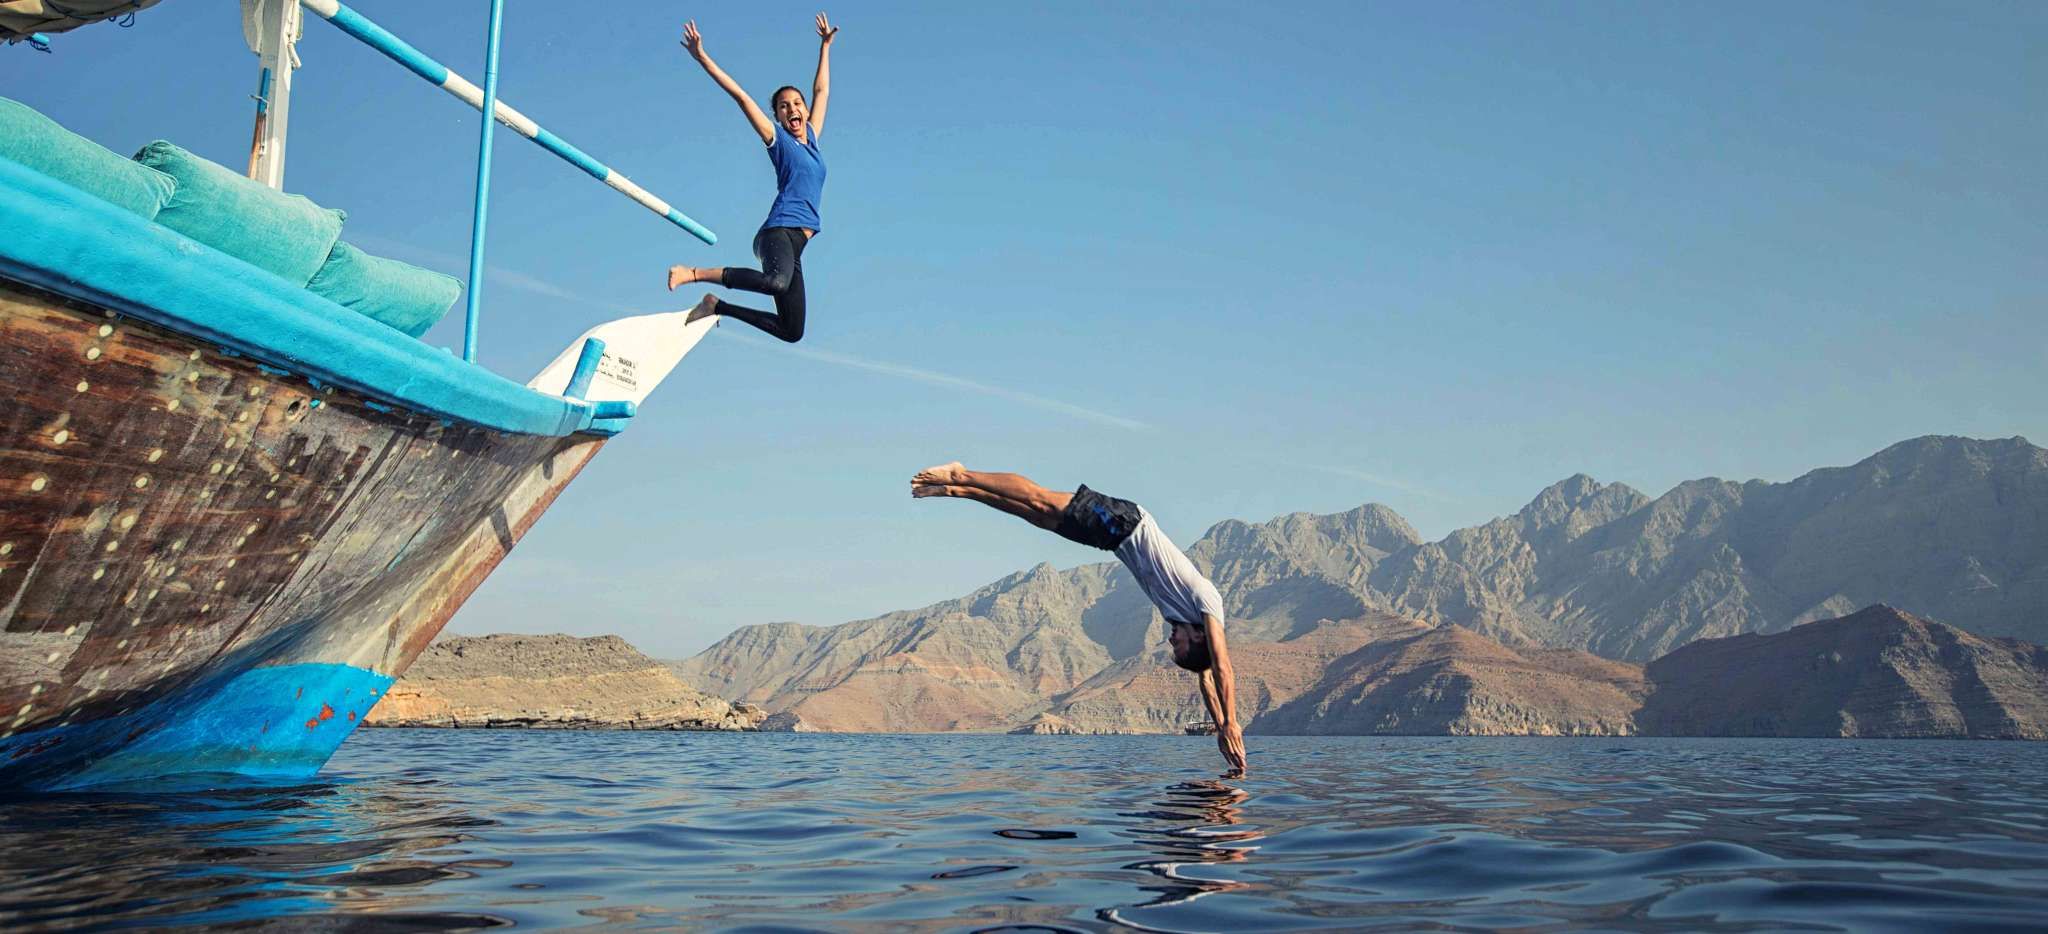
x=443, y=830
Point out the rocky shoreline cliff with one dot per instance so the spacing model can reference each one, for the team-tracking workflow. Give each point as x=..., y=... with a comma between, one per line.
x=551, y=682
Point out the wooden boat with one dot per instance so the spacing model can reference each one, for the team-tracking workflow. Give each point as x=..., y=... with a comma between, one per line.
x=231, y=512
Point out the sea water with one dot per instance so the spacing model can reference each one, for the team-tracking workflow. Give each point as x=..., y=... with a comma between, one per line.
x=433, y=829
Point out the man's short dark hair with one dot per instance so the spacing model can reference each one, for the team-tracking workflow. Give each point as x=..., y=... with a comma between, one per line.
x=1197, y=658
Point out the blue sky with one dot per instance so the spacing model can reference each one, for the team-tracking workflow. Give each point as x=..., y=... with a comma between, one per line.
x=1231, y=262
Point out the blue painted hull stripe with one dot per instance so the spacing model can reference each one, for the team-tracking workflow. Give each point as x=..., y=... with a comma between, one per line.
x=283, y=721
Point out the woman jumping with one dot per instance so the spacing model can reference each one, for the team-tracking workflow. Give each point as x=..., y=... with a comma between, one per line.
x=792, y=139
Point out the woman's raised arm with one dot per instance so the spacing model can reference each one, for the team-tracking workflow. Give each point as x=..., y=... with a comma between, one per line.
x=821, y=86
x=694, y=41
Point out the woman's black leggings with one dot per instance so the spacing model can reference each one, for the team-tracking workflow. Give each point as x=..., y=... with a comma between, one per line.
x=781, y=252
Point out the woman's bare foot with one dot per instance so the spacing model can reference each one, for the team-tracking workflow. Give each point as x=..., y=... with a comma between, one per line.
x=922, y=490
x=706, y=307
x=949, y=474
x=682, y=275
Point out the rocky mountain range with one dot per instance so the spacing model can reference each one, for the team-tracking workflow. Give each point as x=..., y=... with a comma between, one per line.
x=1954, y=529
x=1950, y=529
x=1879, y=672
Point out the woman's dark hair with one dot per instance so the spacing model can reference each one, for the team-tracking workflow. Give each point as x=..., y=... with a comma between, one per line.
x=778, y=93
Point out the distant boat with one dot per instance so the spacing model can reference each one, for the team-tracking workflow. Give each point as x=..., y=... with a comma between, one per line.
x=233, y=511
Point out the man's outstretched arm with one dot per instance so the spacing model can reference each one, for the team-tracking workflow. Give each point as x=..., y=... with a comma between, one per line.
x=1209, y=699
x=1221, y=679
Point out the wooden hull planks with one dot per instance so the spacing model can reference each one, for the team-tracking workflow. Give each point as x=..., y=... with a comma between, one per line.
x=173, y=518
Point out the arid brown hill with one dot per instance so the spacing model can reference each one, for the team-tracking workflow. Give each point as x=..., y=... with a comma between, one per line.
x=1451, y=680
x=1954, y=529
x=1148, y=694
x=1382, y=675
x=549, y=681
x=1878, y=672
x=986, y=661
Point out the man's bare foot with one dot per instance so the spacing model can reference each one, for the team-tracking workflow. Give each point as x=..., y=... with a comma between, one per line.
x=949, y=473
x=681, y=275
x=922, y=490
x=706, y=307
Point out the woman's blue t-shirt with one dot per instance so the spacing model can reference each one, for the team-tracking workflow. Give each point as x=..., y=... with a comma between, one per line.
x=799, y=181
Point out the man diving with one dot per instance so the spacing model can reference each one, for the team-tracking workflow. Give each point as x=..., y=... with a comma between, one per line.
x=1190, y=603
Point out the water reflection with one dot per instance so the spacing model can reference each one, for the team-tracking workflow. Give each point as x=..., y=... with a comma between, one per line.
x=458, y=829
x=188, y=854
x=1193, y=827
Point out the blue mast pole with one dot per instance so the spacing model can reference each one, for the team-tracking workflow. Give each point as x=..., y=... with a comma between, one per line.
x=483, y=187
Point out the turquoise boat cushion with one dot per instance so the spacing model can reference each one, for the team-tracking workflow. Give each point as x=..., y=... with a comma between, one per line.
x=399, y=294
x=56, y=237
x=38, y=142
x=284, y=234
